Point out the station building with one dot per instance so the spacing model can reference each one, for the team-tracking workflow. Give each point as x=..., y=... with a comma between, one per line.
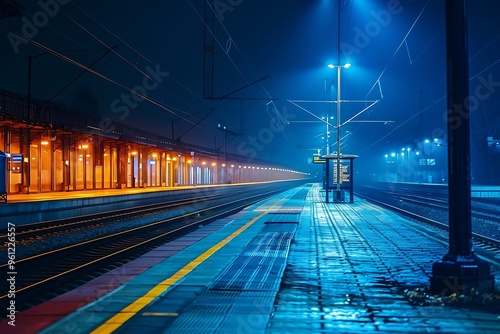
x=50, y=148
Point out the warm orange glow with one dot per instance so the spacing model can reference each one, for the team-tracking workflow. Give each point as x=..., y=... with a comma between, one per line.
x=154, y=155
x=214, y=164
x=189, y=161
x=203, y=163
x=44, y=142
x=174, y=159
x=134, y=153
x=84, y=146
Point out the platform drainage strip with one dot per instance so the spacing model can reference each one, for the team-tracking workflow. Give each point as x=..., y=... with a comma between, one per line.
x=247, y=287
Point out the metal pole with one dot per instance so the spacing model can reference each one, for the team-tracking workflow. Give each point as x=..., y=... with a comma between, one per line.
x=460, y=270
x=225, y=145
x=338, y=197
x=458, y=132
x=327, y=135
x=29, y=86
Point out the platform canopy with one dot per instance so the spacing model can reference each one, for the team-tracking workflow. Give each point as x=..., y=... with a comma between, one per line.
x=342, y=156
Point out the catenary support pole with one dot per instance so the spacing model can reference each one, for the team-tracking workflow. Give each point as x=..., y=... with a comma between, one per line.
x=460, y=270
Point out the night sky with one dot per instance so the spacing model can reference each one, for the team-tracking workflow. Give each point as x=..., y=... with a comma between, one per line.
x=396, y=48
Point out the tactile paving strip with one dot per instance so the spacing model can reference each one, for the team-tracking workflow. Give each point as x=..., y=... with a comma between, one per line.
x=244, y=292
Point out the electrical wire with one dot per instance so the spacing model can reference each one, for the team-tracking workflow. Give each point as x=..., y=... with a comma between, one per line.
x=139, y=54
x=71, y=61
x=274, y=109
x=136, y=68
x=398, y=48
x=133, y=65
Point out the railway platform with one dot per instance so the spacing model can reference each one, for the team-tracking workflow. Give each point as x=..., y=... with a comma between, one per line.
x=24, y=209
x=290, y=264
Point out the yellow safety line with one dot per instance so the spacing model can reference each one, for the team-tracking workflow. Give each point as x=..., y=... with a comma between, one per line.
x=128, y=312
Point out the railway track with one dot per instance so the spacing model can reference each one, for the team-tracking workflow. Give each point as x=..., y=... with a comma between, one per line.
x=440, y=204
x=44, y=274
x=24, y=232
x=486, y=242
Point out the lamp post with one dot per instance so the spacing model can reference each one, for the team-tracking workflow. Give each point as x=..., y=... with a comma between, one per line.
x=172, y=126
x=338, y=197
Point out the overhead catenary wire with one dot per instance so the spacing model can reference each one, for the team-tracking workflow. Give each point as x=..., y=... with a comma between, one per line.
x=91, y=50
x=139, y=54
x=71, y=61
x=133, y=65
x=188, y=115
x=397, y=49
x=233, y=43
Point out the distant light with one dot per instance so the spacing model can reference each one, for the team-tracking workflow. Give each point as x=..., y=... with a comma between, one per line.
x=408, y=149
x=386, y=156
x=393, y=155
x=347, y=65
x=402, y=154
x=417, y=153
x=403, y=149
x=331, y=66
x=436, y=140
x=426, y=141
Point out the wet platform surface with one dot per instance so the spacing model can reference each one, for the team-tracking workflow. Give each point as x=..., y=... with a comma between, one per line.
x=291, y=264
x=347, y=269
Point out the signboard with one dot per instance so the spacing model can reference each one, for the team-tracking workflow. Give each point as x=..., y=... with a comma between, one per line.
x=318, y=160
x=345, y=173
x=16, y=163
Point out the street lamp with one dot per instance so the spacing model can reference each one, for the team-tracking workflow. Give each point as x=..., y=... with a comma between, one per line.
x=331, y=66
